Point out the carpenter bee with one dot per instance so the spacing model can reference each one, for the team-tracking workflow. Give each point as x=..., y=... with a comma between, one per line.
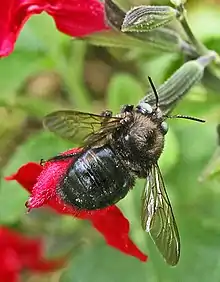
x=116, y=150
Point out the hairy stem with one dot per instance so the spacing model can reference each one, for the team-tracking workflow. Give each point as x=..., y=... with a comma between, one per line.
x=202, y=50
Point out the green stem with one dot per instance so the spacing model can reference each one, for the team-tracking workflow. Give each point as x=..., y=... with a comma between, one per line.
x=199, y=46
x=74, y=76
x=201, y=49
x=72, y=71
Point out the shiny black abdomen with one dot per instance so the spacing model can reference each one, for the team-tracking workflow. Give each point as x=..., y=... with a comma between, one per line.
x=95, y=180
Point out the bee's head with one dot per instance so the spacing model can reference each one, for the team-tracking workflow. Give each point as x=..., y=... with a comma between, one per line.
x=156, y=114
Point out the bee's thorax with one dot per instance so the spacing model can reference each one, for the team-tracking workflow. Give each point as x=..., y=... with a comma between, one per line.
x=139, y=143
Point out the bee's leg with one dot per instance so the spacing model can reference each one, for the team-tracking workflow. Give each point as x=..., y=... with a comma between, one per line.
x=42, y=162
x=59, y=158
x=127, y=108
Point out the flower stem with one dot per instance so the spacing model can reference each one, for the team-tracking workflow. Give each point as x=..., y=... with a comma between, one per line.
x=73, y=76
x=199, y=46
x=71, y=70
x=201, y=49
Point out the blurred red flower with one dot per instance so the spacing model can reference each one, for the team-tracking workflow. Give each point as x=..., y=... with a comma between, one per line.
x=72, y=17
x=41, y=182
x=18, y=252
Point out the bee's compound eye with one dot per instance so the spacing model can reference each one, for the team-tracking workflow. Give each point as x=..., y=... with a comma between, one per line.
x=164, y=127
x=145, y=108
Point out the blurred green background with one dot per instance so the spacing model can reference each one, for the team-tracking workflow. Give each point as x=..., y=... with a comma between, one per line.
x=49, y=71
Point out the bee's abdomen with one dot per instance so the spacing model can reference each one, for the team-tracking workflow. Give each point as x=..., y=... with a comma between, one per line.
x=95, y=180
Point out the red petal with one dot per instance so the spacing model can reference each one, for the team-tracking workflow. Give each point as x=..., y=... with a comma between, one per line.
x=9, y=276
x=31, y=255
x=43, y=265
x=18, y=252
x=27, y=175
x=10, y=260
x=115, y=228
x=73, y=17
x=13, y=15
x=46, y=186
x=41, y=182
x=79, y=17
x=110, y=221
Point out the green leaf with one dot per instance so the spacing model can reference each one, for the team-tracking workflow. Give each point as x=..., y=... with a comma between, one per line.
x=211, y=15
x=103, y=267
x=31, y=106
x=211, y=81
x=213, y=43
x=146, y=18
x=35, y=37
x=36, y=107
x=12, y=202
x=19, y=65
x=123, y=89
x=162, y=39
x=112, y=38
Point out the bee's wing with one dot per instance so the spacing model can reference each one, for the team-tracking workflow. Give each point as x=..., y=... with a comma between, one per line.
x=158, y=219
x=81, y=128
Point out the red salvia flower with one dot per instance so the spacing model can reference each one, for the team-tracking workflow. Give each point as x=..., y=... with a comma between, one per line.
x=18, y=252
x=72, y=17
x=42, y=181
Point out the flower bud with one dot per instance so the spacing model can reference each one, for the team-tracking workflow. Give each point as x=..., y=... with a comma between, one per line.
x=162, y=38
x=146, y=18
x=172, y=90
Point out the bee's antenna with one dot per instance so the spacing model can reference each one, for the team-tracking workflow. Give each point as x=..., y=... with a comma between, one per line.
x=154, y=90
x=186, y=117
x=175, y=116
